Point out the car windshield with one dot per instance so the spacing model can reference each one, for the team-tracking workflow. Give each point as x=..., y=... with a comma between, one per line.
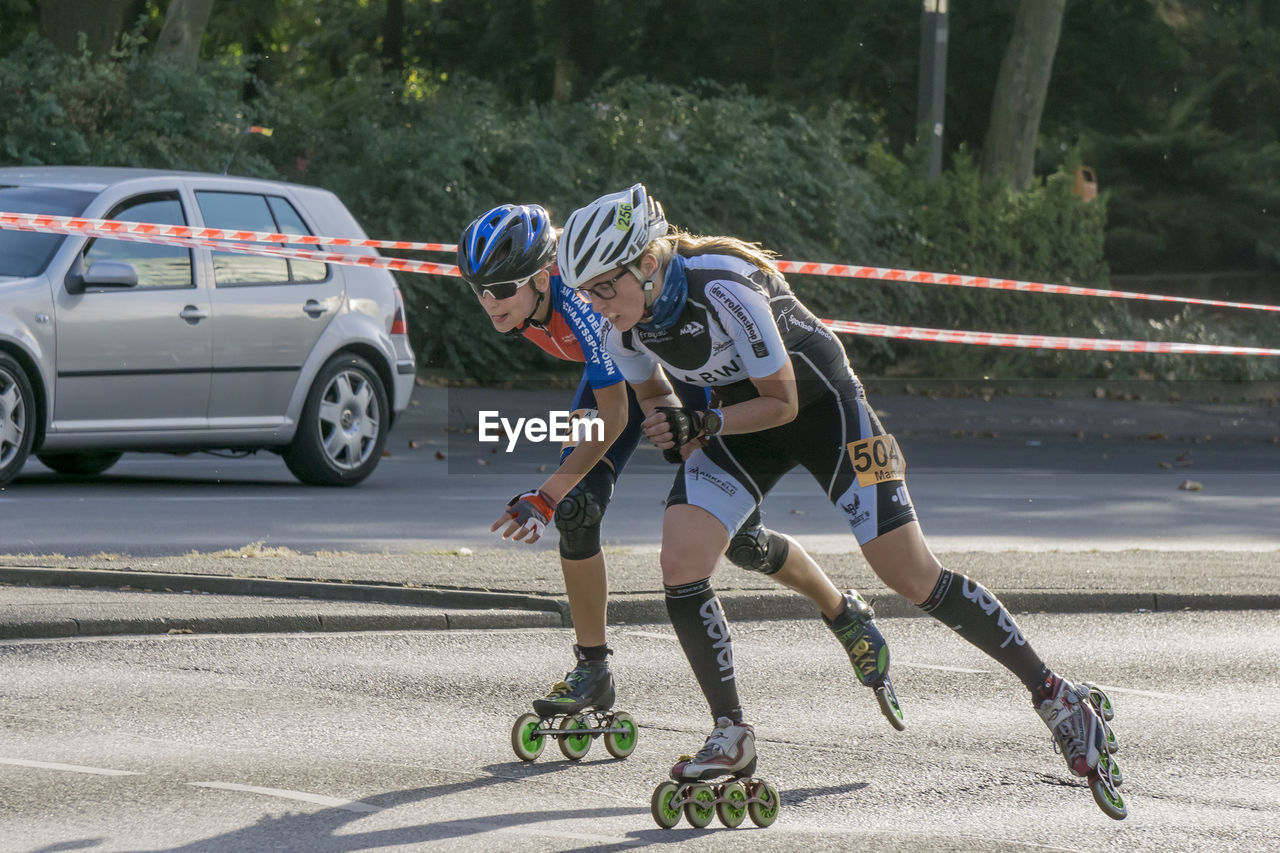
x=25, y=253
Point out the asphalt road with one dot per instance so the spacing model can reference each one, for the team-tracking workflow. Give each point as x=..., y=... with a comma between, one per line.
x=971, y=494
x=399, y=741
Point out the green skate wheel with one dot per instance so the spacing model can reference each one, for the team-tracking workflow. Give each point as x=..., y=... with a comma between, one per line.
x=1100, y=701
x=889, y=706
x=1108, y=766
x=664, y=815
x=1113, y=745
x=526, y=744
x=574, y=746
x=763, y=803
x=1103, y=783
x=731, y=804
x=701, y=807
x=621, y=744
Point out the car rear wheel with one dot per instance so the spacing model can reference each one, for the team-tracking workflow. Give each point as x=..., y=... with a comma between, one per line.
x=343, y=426
x=17, y=418
x=86, y=464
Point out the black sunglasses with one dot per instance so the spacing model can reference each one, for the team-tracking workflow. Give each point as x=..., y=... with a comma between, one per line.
x=605, y=289
x=501, y=290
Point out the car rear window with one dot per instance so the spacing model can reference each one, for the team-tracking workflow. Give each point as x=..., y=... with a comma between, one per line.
x=253, y=212
x=23, y=253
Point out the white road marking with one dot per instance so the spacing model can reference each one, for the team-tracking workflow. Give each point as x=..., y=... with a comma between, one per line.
x=318, y=799
x=651, y=635
x=70, y=768
x=943, y=668
x=1153, y=694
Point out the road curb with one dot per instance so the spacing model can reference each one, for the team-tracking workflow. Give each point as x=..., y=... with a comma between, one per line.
x=427, y=608
x=460, y=599
x=785, y=605
x=279, y=624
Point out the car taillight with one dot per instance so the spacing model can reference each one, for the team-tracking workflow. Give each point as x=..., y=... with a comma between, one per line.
x=398, y=325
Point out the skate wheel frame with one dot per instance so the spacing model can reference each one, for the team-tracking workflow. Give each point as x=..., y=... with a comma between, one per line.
x=889, y=706
x=574, y=733
x=1104, y=783
x=699, y=802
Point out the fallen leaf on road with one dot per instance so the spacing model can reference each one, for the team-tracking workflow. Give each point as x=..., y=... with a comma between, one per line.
x=1191, y=486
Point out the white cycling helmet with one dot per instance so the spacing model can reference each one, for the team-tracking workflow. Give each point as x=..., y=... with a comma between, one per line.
x=609, y=233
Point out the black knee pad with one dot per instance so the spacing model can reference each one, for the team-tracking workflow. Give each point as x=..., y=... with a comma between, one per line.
x=758, y=549
x=579, y=514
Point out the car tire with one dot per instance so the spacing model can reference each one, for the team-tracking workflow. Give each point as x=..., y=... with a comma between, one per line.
x=343, y=427
x=17, y=418
x=87, y=464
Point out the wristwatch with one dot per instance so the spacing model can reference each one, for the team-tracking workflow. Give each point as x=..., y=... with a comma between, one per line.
x=713, y=423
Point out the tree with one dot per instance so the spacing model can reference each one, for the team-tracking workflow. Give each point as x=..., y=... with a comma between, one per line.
x=183, y=31
x=1010, y=148
x=100, y=22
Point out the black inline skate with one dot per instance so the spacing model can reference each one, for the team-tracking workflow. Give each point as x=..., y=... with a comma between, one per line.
x=730, y=751
x=574, y=712
x=869, y=653
x=1079, y=717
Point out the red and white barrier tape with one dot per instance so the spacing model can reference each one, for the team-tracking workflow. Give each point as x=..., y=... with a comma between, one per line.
x=106, y=227
x=999, y=339
x=78, y=225
x=224, y=241
x=342, y=258
x=918, y=277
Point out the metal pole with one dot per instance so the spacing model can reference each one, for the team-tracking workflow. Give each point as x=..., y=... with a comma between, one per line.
x=931, y=103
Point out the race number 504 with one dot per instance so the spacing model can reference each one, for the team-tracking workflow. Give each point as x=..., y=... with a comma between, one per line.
x=877, y=460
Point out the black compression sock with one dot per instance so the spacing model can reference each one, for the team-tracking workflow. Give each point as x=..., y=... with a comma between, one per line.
x=967, y=608
x=592, y=652
x=699, y=623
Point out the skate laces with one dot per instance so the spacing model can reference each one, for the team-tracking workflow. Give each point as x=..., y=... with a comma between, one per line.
x=717, y=744
x=572, y=679
x=1063, y=712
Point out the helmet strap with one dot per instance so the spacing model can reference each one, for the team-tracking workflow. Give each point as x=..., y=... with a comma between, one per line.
x=527, y=321
x=646, y=285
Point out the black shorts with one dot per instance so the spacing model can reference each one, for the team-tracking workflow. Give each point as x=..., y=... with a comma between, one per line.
x=732, y=474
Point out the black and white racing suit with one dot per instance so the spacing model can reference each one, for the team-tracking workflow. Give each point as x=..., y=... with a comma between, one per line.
x=739, y=322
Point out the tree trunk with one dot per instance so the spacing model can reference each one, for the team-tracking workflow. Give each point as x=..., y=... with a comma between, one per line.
x=393, y=38
x=1010, y=149
x=183, y=31
x=100, y=21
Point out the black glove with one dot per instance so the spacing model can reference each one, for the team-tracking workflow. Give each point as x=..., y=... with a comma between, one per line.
x=685, y=425
x=531, y=510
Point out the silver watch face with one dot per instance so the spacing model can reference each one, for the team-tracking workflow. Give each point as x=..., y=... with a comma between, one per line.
x=712, y=424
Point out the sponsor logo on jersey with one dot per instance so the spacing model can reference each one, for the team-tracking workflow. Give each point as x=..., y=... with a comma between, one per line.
x=788, y=321
x=739, y=312
x=715, y=376
x=693, y=327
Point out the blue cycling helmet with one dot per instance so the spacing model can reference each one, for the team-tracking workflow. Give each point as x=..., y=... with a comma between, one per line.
x=509, y=243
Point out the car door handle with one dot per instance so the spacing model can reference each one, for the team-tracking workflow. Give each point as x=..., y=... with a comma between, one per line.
x=192, y=314
x=313, y=308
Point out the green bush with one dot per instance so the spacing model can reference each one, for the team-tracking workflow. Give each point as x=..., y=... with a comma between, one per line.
x=133, y=111
x=418, y=163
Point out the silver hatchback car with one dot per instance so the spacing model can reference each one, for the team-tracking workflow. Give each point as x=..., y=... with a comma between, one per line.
x=109, y=346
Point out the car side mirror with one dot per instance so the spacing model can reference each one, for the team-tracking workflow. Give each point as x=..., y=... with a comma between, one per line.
x=116, y=274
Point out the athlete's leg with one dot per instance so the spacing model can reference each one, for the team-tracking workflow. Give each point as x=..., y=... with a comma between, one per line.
x=692, y=541
x=756, y=548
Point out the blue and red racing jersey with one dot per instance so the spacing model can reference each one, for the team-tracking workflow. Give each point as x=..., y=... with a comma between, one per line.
x=573, y=333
